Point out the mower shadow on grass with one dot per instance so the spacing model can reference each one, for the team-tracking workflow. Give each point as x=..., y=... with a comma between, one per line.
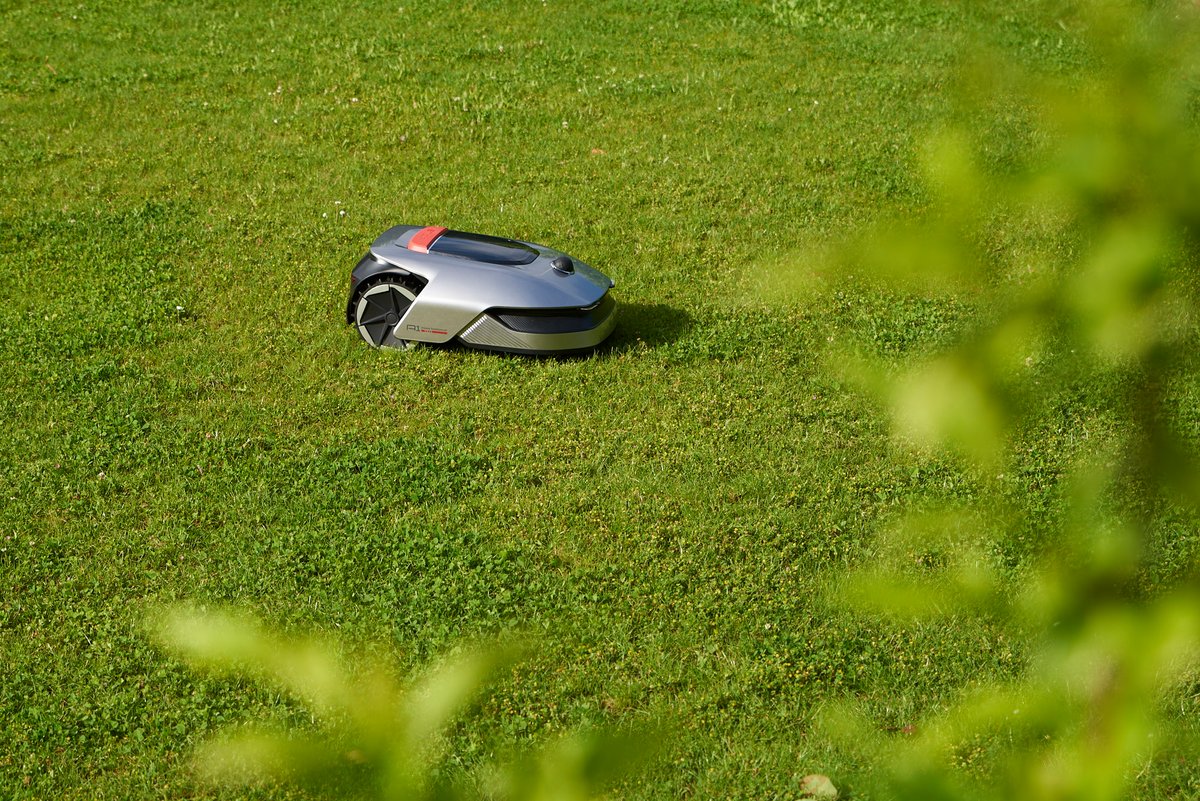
x=651, y=324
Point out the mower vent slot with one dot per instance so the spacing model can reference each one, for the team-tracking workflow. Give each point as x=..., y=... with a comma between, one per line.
x=556, y=321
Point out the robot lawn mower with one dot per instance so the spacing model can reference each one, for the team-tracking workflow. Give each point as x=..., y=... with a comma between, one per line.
x=434, y=285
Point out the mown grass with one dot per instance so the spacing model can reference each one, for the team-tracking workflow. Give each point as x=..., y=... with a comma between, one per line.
x=185, y=415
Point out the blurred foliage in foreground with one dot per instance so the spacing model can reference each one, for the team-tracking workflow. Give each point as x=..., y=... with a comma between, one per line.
x=371, y=736
x=1080, y=257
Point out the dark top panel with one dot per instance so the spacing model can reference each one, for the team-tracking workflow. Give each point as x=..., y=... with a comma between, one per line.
x=479, y=247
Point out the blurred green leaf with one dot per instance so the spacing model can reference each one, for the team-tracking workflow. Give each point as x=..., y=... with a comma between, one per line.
x=374, y=736
x=950, y=402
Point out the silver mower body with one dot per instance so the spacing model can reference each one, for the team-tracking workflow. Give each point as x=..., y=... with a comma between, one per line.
x=431, y=284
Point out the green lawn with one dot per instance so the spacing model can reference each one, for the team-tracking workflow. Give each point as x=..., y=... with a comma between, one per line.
x=185, y=416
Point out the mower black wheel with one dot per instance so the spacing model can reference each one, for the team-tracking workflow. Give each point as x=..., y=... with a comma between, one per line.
x=379, y=309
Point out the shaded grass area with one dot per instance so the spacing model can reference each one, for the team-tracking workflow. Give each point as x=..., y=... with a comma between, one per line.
x=183, y=191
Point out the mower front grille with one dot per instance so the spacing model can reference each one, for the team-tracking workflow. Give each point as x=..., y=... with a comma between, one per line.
x=556, y=321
